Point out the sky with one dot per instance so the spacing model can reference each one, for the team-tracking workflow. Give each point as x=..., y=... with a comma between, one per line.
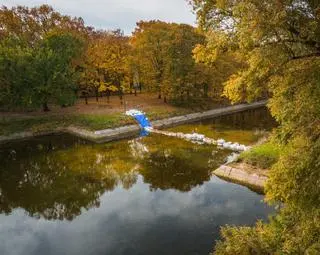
x=113, y=14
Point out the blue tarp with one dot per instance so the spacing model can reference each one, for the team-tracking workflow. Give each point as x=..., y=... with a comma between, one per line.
x=142, y=120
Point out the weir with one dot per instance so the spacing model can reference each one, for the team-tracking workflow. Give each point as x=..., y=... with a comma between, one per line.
x=147, y=128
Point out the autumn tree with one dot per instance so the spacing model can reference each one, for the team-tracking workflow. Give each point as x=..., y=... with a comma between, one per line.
x=106, y=67
x=181, y=71
x=163, y=56
x=150, y=42
x=280, y=43
x=40, y=51
x=31, y=24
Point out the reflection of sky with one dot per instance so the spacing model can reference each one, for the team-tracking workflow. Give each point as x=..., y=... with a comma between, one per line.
x=137, y=221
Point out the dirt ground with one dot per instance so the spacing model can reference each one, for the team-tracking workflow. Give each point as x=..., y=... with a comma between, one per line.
x=146, y=102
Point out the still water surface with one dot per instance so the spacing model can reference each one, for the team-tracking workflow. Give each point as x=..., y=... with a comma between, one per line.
x=149, y=195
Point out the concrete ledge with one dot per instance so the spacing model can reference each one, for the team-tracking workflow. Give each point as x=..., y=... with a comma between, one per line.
x=241, y=176
x=106, y=135
x=206, y=115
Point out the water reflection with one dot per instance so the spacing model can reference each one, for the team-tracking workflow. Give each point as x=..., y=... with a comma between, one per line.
x=57, y=182
x=245, y=127
x=178, y=164
x=149, y=195
x=138, y=222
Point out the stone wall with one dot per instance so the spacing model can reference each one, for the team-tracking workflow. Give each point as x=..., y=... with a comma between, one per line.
x=241, y=176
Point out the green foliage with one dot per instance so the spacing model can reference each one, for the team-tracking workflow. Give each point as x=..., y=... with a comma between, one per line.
x=163, y=59
x=294, y=179
x=15, y=58
x=289, y=232
x=263, y=156
x=237, y=240
x=34, y=76
x=55, y=79
x=279, y=42
x=37, y=58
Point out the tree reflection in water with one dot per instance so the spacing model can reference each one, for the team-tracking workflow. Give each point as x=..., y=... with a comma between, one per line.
x=178, y=164
x=57, y=177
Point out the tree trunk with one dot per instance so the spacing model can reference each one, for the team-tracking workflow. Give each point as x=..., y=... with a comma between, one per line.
x=159, y=95
x=165, y=99
x=45, y=107
x=135, y=92
x=205, y=90
x=181, y=96
x=108, y=96
x=120, y=96
x=86, y=99
x=97, y=95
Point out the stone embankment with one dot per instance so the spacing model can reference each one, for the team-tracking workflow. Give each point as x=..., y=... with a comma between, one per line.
x=133, y=130
x=243, y=174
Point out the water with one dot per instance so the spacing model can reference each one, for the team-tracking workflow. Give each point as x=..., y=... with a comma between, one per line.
x=245, y=128
x=149, y=195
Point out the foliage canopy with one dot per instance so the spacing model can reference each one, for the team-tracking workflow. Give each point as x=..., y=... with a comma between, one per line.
x=280, y=44
x=39, y=49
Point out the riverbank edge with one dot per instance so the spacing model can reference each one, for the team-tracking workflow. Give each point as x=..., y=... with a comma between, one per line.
x=237, y=175
x=112, y=134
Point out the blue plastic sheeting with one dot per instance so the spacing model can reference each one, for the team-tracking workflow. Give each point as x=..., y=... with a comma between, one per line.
x=142, y=120
x=144, y=132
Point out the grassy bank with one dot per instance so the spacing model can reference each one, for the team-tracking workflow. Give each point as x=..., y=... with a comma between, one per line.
x=262, y=156
x=86, y=121
x=96, y=115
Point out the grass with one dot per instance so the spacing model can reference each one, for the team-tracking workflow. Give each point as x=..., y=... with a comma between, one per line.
x=33, y=124
x=38, y=124
x=96, y=115
x=262, y=156
x=98, y=122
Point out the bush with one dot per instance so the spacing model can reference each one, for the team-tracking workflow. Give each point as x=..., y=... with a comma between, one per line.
x=263, y=156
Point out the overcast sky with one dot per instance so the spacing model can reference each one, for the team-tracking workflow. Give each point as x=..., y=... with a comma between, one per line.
x=112, y=14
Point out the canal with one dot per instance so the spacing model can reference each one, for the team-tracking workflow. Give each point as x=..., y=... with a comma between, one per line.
x=147, y=195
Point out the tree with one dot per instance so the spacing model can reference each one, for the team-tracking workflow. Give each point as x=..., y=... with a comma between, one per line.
x=163, y=58
x=55, y=79
x=31, y=24
x=279, y=42
x=45, y=73
x=150, y=42
x=15, y=58
x=181, y=70
x=40, y=51
x=105, y=68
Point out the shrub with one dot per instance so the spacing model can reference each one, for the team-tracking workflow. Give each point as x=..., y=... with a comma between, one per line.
x=263, y=156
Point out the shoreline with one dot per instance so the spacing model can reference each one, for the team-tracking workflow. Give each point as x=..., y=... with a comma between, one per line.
x=112, y=134
x=239, y=175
